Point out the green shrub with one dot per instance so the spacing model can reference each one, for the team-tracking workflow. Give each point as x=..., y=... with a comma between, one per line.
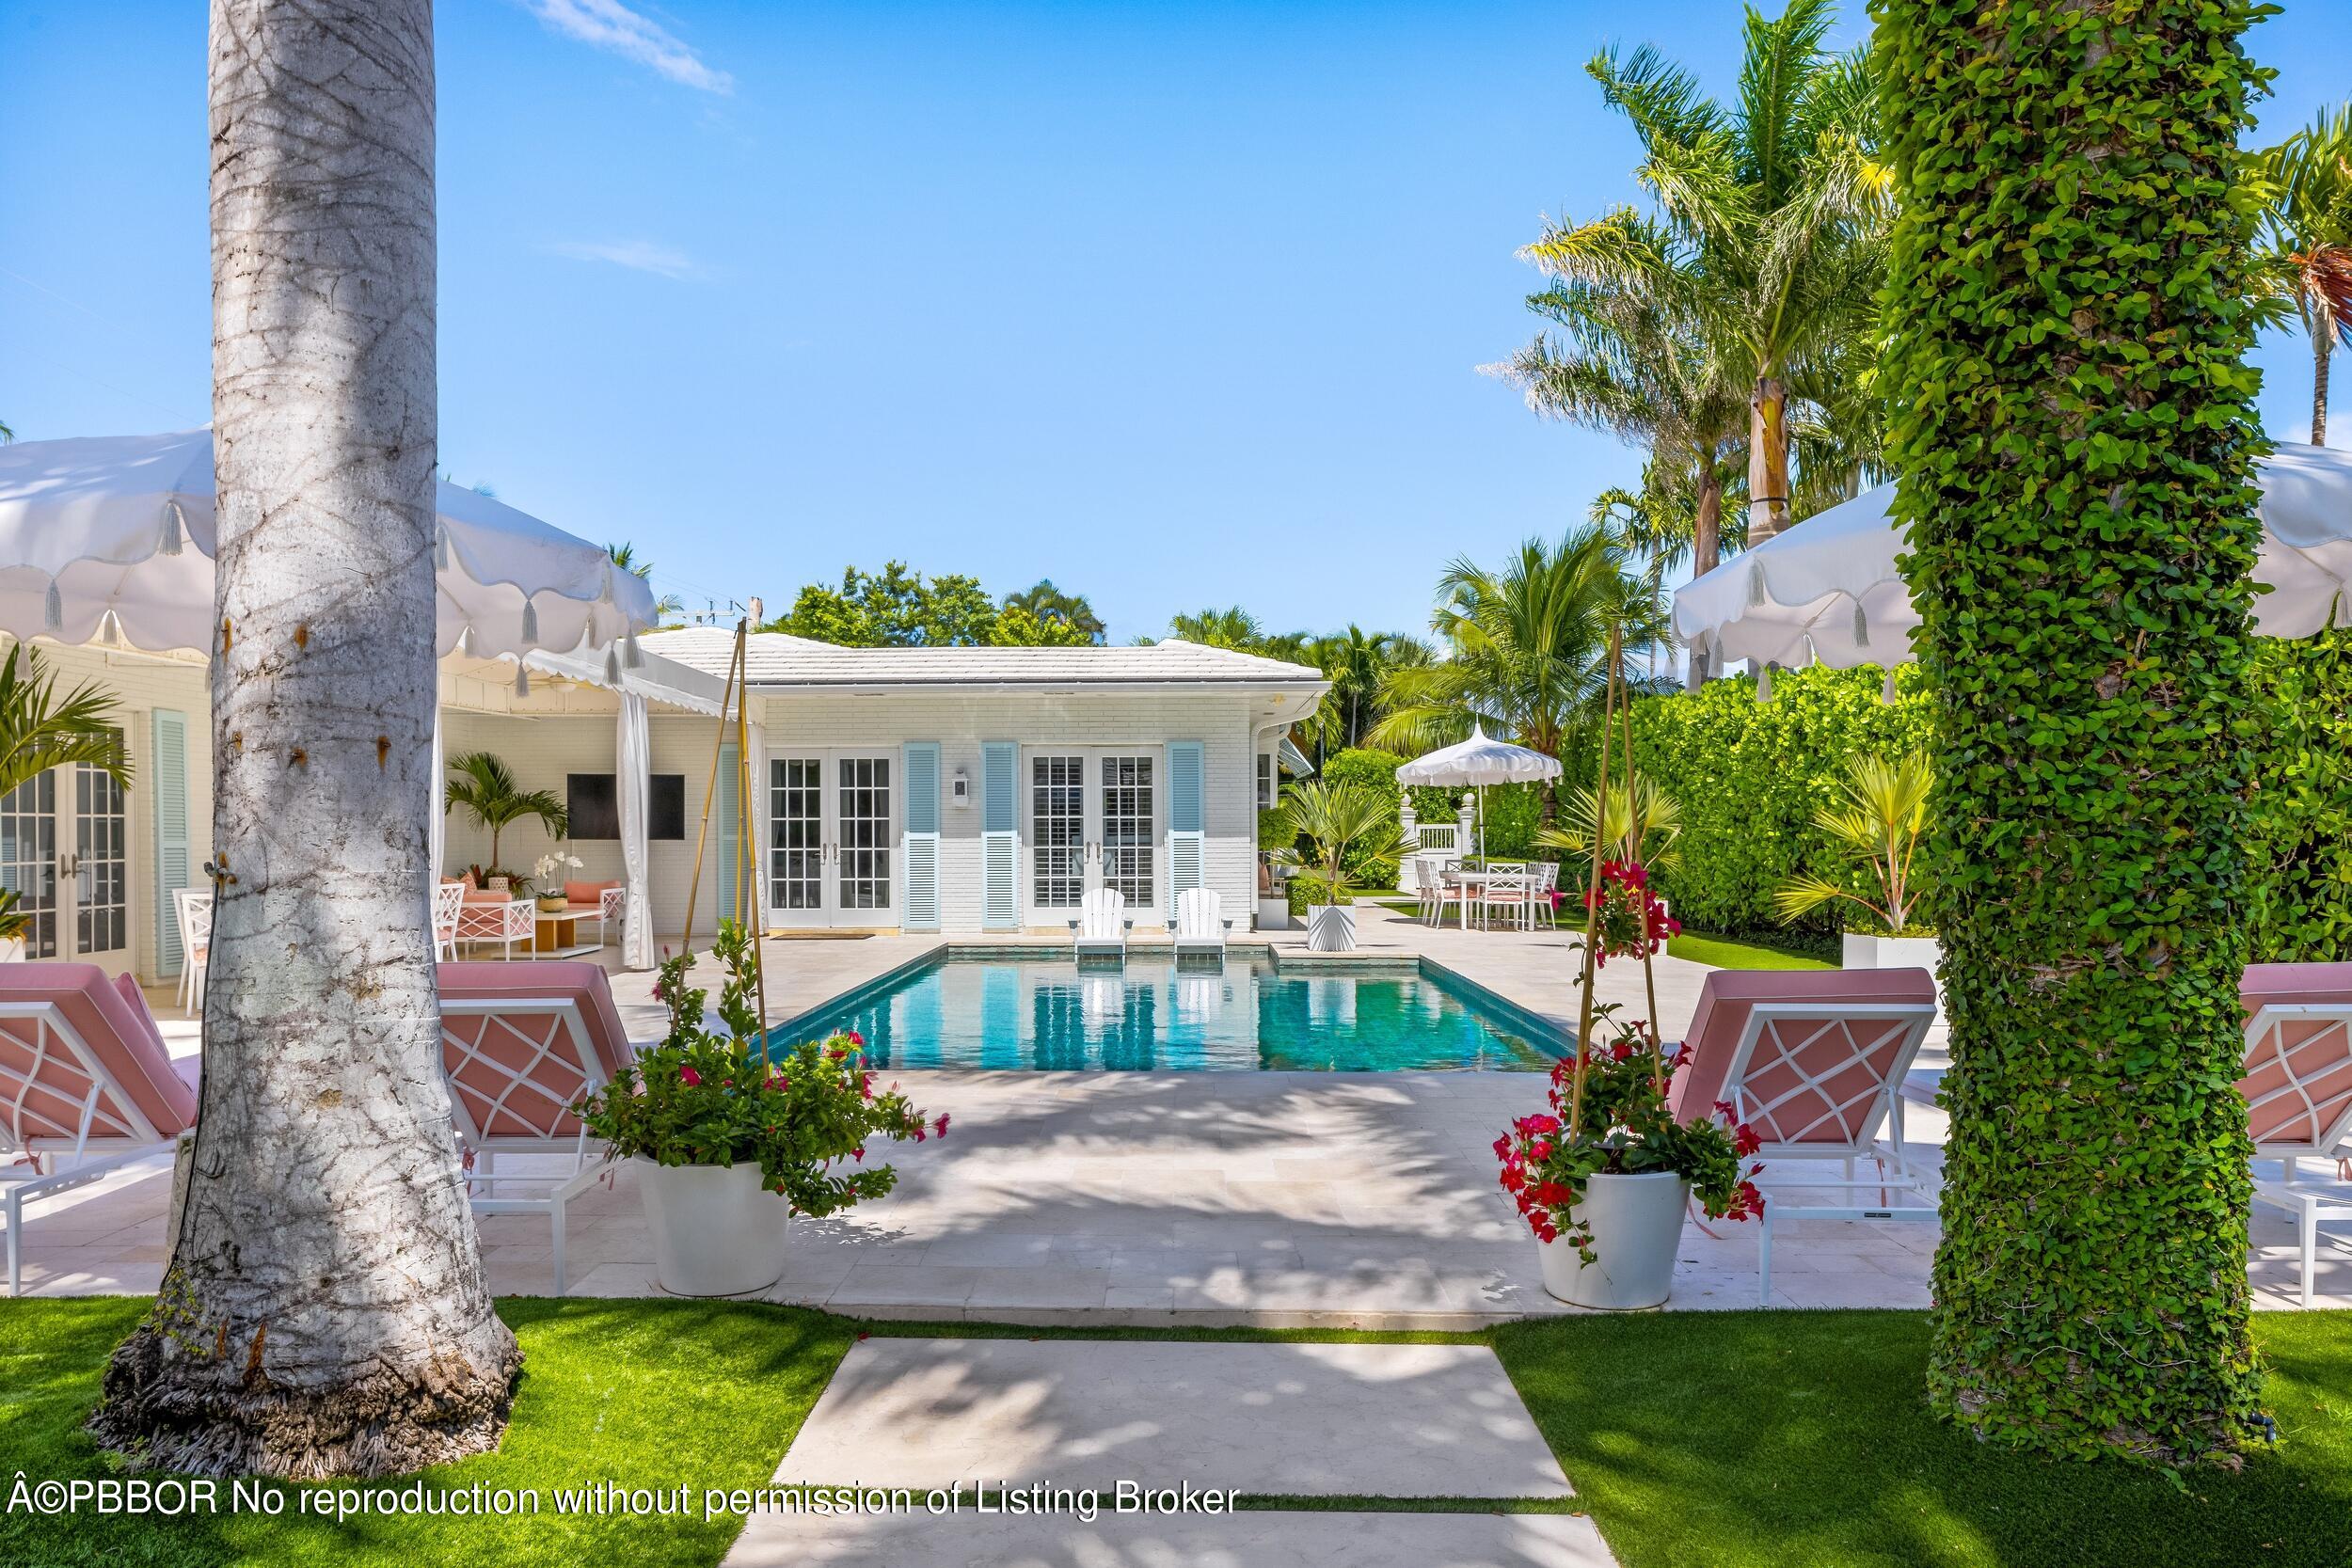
x=2300, y=828
x=2070, y=416
x=1305, y=889
x=1750, y=777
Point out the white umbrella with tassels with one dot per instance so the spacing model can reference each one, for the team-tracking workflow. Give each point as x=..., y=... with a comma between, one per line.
x=1478, y=762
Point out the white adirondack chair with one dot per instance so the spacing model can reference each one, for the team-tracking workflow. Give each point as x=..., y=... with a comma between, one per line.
x=1101, y=922
x=1200, y=922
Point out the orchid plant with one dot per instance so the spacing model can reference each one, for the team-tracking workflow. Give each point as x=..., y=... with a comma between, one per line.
x=717, y=1097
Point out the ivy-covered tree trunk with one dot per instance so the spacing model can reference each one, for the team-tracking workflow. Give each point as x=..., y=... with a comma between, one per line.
x=2071, y=417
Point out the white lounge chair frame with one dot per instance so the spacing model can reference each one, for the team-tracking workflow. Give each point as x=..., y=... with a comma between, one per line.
x=193, y=908
x=1762, y=1042
x=2315, y=1138
x=1200, y=922
x=555, y=1018
x=1103, y=924
x=107, y=1115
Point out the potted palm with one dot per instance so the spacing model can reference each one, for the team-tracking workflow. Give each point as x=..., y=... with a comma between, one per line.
x=1874, y=825
x=1339, y=822
x=729, y=1139
x=482, y=786
x=39, y=731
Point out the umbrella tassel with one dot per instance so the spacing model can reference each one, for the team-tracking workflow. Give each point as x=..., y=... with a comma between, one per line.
x=175, y=530
x=630, y=656
x=1756, y=585
x=611, y=667
x=440, y=551
x=1861, y=626
x=1764, y=683
x=530, y=622
x=522, y=679
x=53, y=608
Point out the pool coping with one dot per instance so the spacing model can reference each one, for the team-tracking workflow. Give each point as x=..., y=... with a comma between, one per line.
x=1541, y=1029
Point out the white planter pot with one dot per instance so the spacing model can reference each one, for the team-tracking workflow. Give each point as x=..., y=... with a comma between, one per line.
x=1637, y=1229
x=716, y=1230
x=1868, y=952
x=1330, y=927
x=1274, y=914
x=12, y=950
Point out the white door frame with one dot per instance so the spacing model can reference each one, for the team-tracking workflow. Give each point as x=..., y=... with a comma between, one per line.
x=836, y=862
x=1146, y=912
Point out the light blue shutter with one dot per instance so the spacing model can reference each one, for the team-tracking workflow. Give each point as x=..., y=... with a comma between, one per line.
x=730, y=829
x=1000, y=834
x=1187, y=819
x=167, y=783
x=922, y=831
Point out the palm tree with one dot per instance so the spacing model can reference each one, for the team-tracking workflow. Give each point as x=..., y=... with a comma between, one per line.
x=1049, y=603
x=1877, y=821
x=1357, y=662
x=1772, y=226
x=323, y=1311
x=1341, y=822
x=7, y=433
x=669, y=607
x=1661, y=817
x=484, y=787
x=1233, y=628
x=1644, y=365
x=2306, y=256
x=1526, y=650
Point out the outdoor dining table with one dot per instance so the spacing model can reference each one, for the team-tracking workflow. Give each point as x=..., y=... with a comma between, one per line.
x=1471, y=882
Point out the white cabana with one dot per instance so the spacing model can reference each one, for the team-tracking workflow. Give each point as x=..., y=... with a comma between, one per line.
x=1478, y=762
x=1827, y=590
x=112, y=537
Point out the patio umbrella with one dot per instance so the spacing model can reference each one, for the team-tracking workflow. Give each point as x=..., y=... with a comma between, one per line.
x=1827, y=589
x=122, y=525
x=1479, y=761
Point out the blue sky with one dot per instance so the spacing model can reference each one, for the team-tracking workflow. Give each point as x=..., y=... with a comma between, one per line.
x=1177, y=304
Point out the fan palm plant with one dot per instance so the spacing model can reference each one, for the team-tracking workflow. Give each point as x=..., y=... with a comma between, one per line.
x=1659, y=814
x=1341, y=822
x=484, y=787
x=1876, y=822
x=2306, y=256
x=40, y=730
x=1526, y=651
x=1774, y=217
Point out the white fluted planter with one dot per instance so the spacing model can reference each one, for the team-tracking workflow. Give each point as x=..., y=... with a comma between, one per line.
x=1637, y=1229
x=1864, y=951
x=716, y=1230
x=1330, y=927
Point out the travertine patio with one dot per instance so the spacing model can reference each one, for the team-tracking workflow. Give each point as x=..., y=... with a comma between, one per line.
x=1346, y=1200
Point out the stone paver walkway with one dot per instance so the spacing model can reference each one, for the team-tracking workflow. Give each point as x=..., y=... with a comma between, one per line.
x=1239, y=1541
x=1333, y=1420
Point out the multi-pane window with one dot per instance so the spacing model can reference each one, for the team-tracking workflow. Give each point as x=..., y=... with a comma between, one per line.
x=863, y=812
x=796, y=816
x=1128, y=823
x=1265, y=781
x=101, y=895
x=1056, y=831
x=28, y=859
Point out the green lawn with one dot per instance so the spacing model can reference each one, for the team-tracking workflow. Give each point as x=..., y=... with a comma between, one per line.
x=648, y=1393
x=1726, y=953
x=1696, y=1440
x=1803, y=1440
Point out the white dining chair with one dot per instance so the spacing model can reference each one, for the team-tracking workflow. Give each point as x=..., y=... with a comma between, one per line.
x=193, y=906
x=449, y=902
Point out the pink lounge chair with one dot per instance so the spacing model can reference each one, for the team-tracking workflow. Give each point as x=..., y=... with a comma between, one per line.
x=2297, y=1086
x=519, y=1044
x=1814, y=1062
x=86, y=1086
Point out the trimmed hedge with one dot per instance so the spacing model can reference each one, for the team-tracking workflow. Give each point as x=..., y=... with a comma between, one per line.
x=2300, y=838
x=1749, y=777
x=2069, y=412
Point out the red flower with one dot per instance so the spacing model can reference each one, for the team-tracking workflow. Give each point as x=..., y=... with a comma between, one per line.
x=1743, y=1140
x=1539, y=1123
x=854, y=1037
x=1502, y=1147
x=941, y=1126
x=1540, y=1149
x=687, y=1076
x=1552, y=1195
x=860, y=1152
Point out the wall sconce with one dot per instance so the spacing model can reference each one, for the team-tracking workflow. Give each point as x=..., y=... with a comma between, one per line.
x=960, y=789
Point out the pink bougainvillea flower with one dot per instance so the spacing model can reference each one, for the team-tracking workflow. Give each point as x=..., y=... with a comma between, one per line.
x=854, y=1037
x=940, y=1127
x=1540, y=1149
x=687, y=1076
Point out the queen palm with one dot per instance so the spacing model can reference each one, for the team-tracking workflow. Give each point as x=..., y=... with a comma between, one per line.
x=669, y=608
x=1526, y=650
x=1772, y=218
x=484, y=787
x=2306, y=256
x=1231, y=628
x=1357, y=662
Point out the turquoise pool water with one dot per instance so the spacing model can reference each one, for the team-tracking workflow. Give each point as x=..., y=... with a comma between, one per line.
x=1050, y=1015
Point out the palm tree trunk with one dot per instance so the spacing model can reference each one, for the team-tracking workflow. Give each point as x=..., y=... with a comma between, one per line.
x=1768, y=459
x=2322, y=350
x=1707, y=533
x=323, y=1312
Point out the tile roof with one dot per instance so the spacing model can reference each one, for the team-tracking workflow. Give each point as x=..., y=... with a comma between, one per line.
x=776, y=660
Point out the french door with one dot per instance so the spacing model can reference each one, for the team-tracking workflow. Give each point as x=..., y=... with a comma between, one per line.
x=833, y=838
x=1092, y=817
x=65, y=852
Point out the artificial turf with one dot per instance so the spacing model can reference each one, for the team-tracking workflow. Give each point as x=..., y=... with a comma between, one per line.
x=640, y=1393
x=1756, y=1439
x=1730, y=953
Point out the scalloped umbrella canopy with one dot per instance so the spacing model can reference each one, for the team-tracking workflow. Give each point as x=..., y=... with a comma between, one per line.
x=1480, y=761
x=1827, y=590
x=124, y=524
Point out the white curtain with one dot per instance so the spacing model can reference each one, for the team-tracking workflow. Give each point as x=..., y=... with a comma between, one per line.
x=437, y=836
x=633, y=755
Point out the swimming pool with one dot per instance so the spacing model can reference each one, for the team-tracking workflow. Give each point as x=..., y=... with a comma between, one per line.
x=1045, y=1013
